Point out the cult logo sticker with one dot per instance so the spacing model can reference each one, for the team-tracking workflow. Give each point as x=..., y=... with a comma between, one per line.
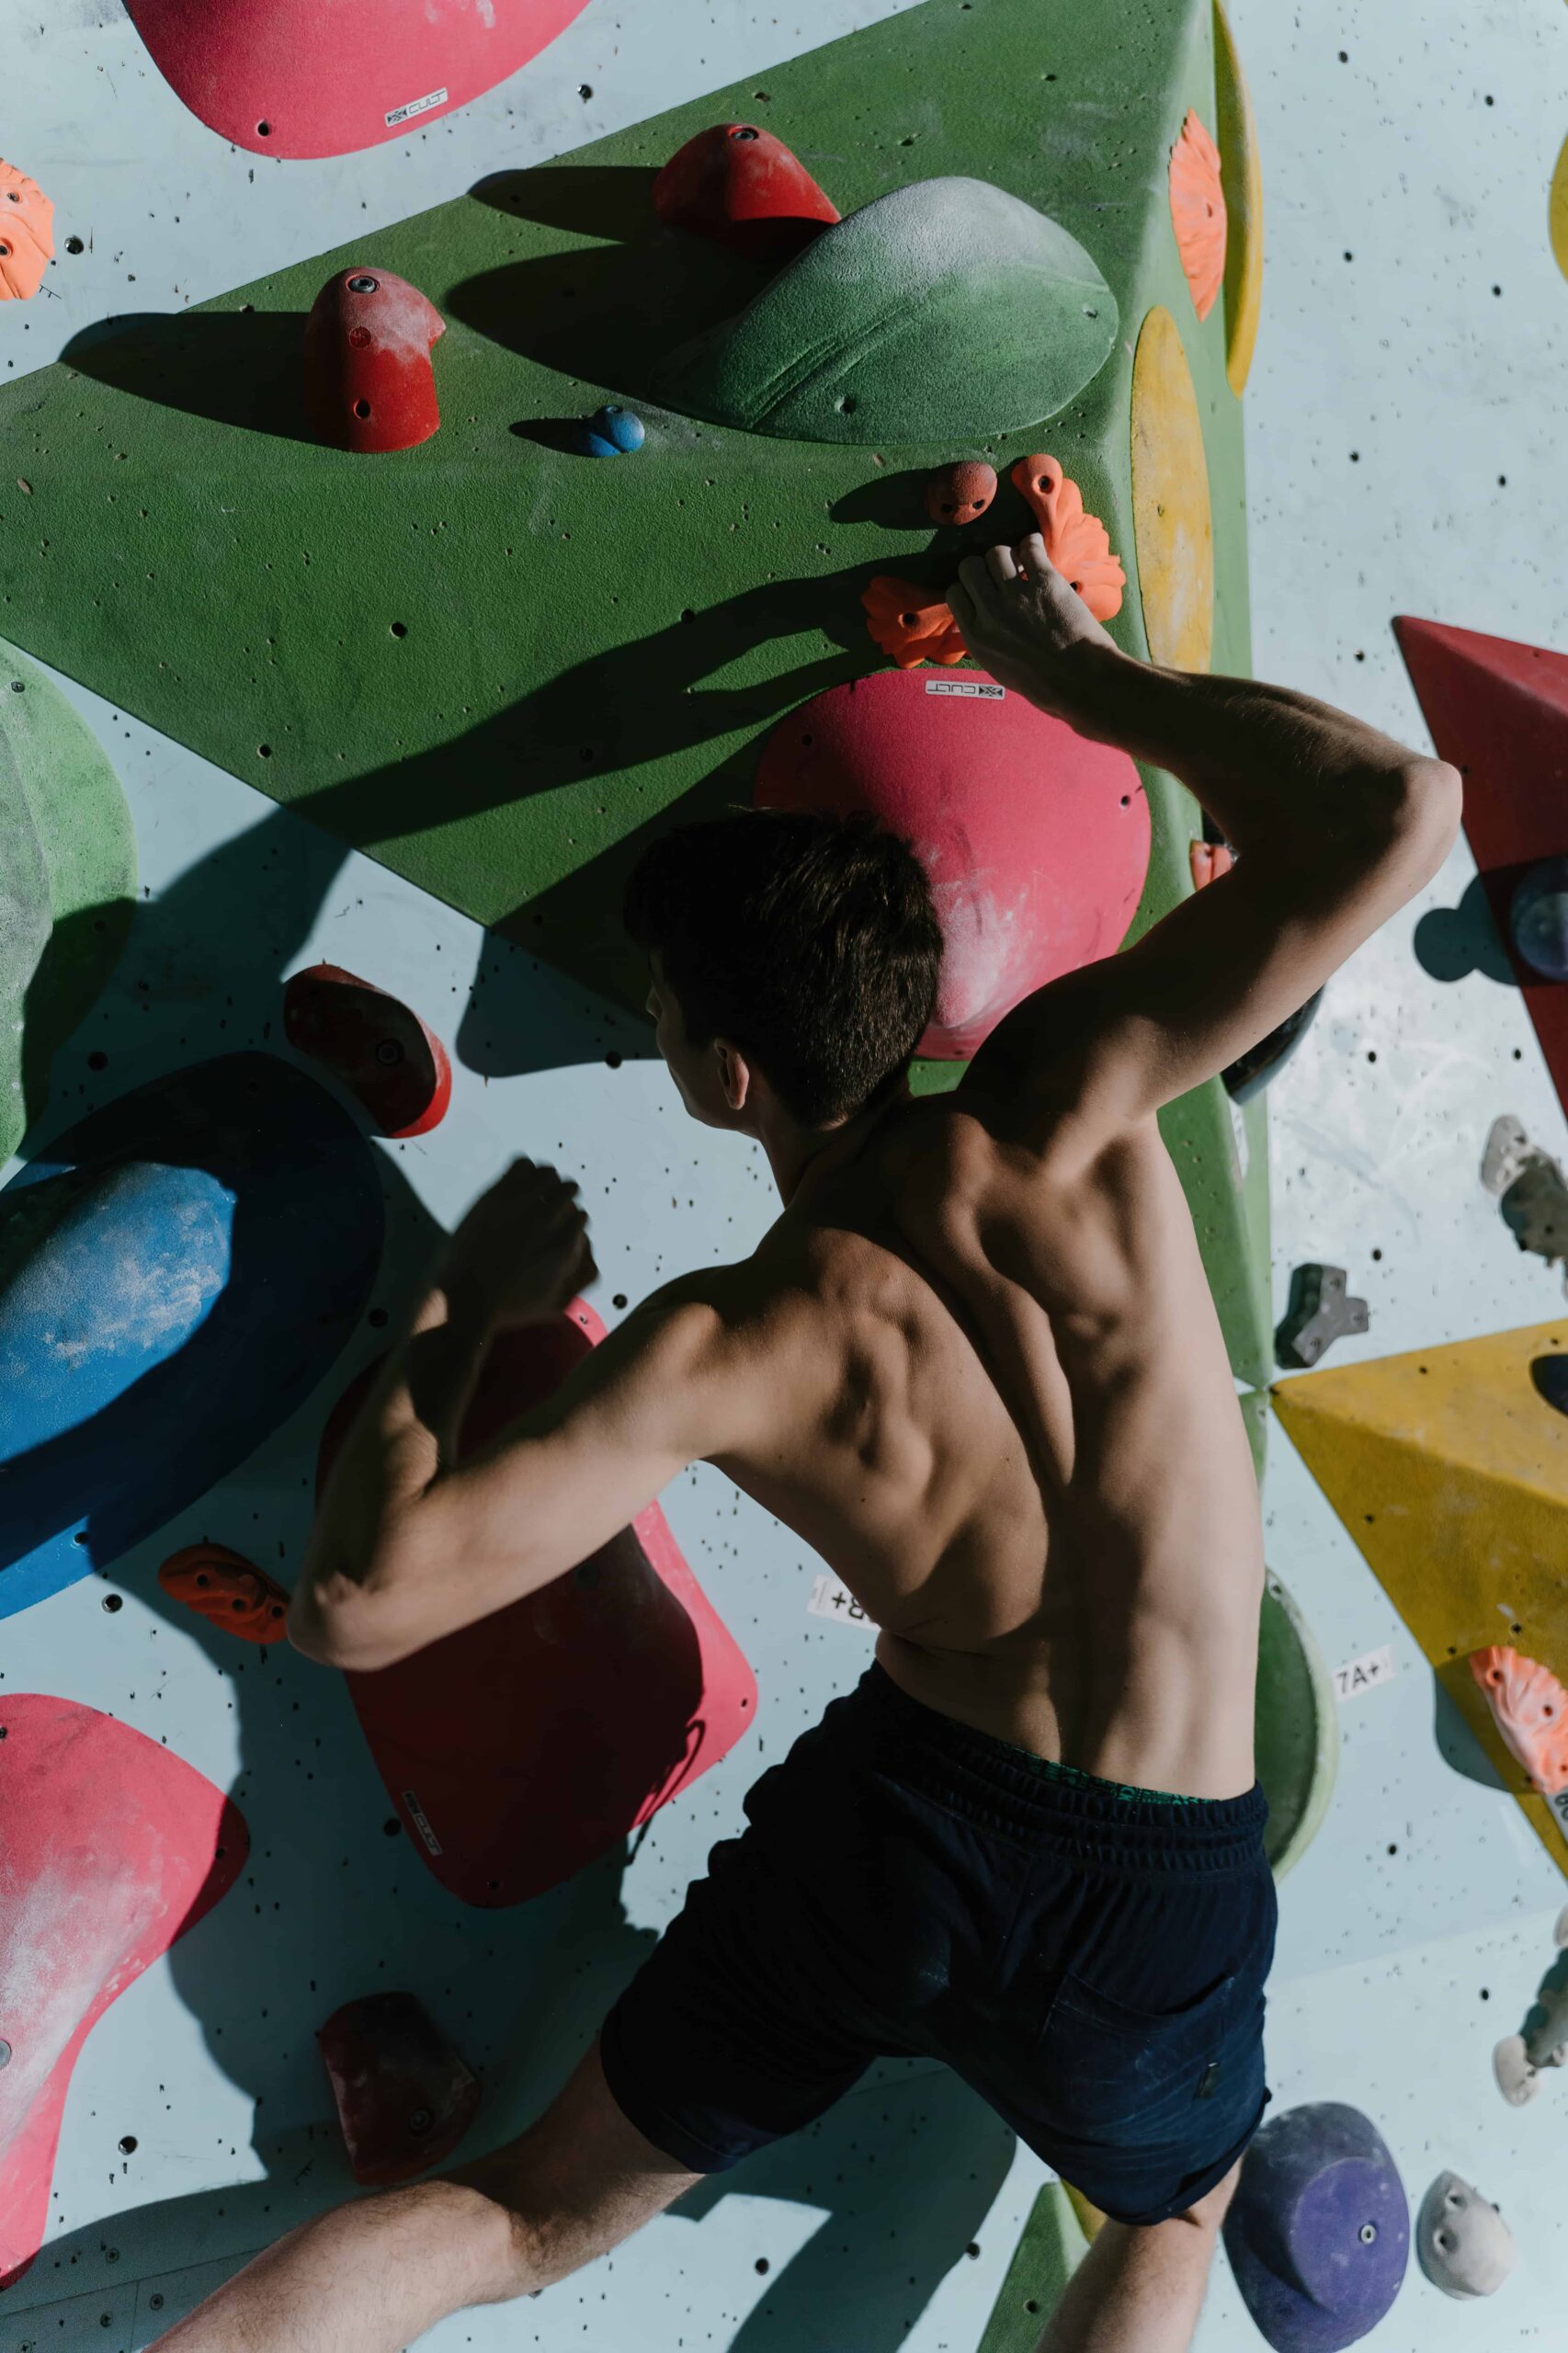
x=416, y=105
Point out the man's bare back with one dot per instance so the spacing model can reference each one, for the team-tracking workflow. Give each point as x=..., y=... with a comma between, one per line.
x=1001, y=1409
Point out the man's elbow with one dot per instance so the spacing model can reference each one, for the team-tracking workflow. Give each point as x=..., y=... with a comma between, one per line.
x=1426, y=807
x=346, y=1625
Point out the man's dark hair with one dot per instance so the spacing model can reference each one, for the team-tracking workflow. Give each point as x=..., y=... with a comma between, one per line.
x=808, y=940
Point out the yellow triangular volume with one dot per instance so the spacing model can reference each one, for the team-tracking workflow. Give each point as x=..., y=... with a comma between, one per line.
x=1450, y=1468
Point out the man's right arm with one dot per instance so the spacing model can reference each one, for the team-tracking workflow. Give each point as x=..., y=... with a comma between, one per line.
x=1334, y=824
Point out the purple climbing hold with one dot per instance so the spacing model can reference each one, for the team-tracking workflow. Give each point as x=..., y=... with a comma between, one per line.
x=1319, y=2230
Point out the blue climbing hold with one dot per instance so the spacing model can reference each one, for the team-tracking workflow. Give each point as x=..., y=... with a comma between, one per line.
x=177, y=1271
x=1538, y=917
x=610, y=432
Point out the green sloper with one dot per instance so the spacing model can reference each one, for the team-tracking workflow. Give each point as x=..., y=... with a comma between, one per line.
x=590, y=643
x=949, y=308
x=67, y=881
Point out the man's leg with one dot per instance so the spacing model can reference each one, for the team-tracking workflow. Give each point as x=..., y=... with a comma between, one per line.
x=372, y=2276
x=1142, y=2291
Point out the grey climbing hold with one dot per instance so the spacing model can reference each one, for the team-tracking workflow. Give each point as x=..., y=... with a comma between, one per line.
x=1463, y=2243
x=1319, y=1312
x=1531, y=1190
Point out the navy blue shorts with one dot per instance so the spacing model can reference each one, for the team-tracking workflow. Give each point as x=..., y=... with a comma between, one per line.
x=1092, y=1964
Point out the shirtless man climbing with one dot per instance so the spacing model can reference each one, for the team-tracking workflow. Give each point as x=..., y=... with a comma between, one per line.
x=975, y=1364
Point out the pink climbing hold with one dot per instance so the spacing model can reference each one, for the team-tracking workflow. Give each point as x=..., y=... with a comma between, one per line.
x=26, y=234
x=229, y=1590
x=1036, y=842
x=743, y=188
x=1529, y=1708
x=369, y=384
x=405, y=2094
x=325, y=77
x=961, y=493
x=394, y=1065
x=111, y=1847
x=521, y=1747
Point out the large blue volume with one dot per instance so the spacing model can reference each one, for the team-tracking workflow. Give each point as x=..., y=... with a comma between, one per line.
x=178, y=1272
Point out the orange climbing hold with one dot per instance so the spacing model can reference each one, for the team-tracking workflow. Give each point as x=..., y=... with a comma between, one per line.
x=1529, y=1708
x=229, y=1589
x=1078, y=544
x=911, y=623
x=26, y=234
x=1197, y=211
x=1208, y=860
x=960, y=492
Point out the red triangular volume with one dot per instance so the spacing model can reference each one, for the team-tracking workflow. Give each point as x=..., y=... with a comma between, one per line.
x=743, y=186
x=1499, y=713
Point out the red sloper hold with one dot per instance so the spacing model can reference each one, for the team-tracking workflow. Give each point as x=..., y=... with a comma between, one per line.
x=227, y=1588
x=744, y=188
x=1036, y=842
x=518, y=1748
x=376, y=1045
x=369, y=385
x=110, y=1848
x=405, y=2094
x=1498, y=711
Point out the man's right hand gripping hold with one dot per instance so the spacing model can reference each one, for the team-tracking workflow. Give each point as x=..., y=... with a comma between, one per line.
x=974, y=1364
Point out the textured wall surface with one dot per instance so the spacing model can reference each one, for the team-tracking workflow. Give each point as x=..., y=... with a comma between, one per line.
x=1393, y=389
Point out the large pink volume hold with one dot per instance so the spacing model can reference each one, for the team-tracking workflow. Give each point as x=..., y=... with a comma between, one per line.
x=110, y=1848
x=323, y=78
x=1037, y=843
x=518, y=1748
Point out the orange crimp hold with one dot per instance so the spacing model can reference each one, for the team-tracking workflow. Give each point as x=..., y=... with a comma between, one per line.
x=914, y=624
x=1197, y=211
x=229, y=1589
x=1208, y=860
x=1529, y=1708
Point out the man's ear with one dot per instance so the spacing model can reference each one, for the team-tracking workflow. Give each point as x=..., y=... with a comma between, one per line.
x=735, y=1074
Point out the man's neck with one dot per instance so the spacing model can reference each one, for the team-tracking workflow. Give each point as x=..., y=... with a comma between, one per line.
x=800, y=1157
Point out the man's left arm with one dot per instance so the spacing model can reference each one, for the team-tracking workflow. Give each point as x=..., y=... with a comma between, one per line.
x=410, y=1543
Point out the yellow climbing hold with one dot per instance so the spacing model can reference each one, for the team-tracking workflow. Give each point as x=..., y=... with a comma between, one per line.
x=1241, y=178
x=1559, y=214
x=1450, y=1469
x=1171, y=521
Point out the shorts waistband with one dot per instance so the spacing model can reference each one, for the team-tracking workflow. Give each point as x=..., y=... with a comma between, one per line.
x=1006, y=1789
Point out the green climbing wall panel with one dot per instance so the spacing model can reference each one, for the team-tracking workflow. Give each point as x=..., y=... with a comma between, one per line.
x=494, y=664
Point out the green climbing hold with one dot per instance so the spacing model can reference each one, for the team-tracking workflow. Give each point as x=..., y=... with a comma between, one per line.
x=946, y=311
x=67, y=881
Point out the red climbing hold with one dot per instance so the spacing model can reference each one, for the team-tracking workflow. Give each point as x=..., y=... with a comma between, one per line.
x=1498, y=711
x=405, y=2094
x=229, y=1589
x=744, y=188
x=369, y=385
x=518, y=1748
x=110, y=1848
x=1036, y=842
x=376, y=1045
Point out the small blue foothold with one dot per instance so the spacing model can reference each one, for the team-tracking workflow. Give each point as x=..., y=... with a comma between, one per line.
x=610, y=432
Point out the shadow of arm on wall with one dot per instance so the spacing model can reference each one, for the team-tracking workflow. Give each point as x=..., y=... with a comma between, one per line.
x=1453, y=942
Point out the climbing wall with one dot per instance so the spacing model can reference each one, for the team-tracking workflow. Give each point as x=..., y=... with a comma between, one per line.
x=417, y=933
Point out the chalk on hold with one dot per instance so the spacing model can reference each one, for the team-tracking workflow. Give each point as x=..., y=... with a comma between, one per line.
x=1529, y=1708
x=1537, y=918
x=742, y=186
x=1463, y=2243
x=610, y=432
x=114, y=1847
x=396, y=1066
x=1077, y=543
x=960, y=492
x=26, y=234
x=369, y=385
x=227, y=1588
x=1320, y=1311
x=1531, y=1194
x=1197, y=211
x=405, y=2094
x=1318, y=2233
